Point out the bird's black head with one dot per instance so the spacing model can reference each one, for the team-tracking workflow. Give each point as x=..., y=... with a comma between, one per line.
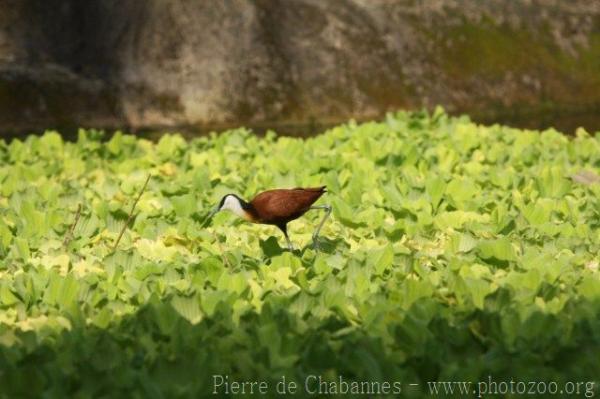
x=230, y=200
x=233, y=203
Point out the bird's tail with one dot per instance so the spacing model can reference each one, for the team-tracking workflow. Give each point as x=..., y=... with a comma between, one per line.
x=321, y=189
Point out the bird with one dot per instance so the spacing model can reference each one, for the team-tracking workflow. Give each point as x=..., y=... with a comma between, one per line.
x=277, y=207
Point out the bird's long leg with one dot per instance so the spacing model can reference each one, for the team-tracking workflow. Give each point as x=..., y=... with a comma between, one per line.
x=315, y=235
x=289, y=243
x=287, y=238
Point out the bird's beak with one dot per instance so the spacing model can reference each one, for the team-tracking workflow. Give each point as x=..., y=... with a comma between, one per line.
x=208, y=218
x=213, y=212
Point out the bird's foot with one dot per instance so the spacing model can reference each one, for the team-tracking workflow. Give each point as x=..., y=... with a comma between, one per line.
x=316, y=246
x=290, y=246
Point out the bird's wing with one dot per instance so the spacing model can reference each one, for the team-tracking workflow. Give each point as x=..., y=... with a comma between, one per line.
x=277, y=205
x=320, y=189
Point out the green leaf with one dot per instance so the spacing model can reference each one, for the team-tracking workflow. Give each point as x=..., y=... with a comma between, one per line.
x=188, y=308
x=164, y=316
x=478, y=290
x=461, y=191
x=414, y=290
x=6, y=236
x=7, y=298
x=589, y=288
x=382, y=259
x=102, y=319
x=344, y=213
x=22, y=248
x=184, y=205
x=553, y=182
x=539, y=212
x=458, y=219
x=435, y=188
x=500, y=249
x=62, y=291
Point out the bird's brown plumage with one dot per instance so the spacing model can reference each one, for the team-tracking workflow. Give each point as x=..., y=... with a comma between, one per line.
x=283, y=205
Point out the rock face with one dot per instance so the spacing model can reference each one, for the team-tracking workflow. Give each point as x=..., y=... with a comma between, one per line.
x=212, y=64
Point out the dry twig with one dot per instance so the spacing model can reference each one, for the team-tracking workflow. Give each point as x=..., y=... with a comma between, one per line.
x=69, y=235
x=130, y=217
x=225, y=260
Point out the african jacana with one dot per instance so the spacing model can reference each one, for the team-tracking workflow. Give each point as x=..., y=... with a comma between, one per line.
x=277, y=207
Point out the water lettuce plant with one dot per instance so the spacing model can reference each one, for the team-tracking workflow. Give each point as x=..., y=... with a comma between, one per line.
x=455, y=251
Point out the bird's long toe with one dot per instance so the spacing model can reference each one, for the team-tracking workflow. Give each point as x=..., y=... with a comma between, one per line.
x=316, y=243
x=290, y=246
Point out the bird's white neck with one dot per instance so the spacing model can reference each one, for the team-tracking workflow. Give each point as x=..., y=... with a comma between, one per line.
x=233, y=204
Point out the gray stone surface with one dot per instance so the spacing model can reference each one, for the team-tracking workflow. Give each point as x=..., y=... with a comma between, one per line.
x=211, y=64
